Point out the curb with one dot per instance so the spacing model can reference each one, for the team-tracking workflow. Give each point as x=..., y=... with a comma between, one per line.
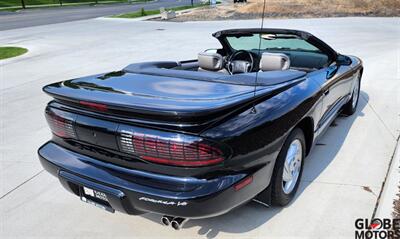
x=57, y=5
x=390, y=187
x=147, y=18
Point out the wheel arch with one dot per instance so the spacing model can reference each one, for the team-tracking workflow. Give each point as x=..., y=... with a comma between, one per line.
x=307, y=126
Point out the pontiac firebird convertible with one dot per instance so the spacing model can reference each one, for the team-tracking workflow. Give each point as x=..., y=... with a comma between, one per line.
x=195, y=139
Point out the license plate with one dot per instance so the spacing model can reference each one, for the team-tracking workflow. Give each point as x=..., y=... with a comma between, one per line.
x=96, y=198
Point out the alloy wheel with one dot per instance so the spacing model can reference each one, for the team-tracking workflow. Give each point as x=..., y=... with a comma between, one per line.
x=292, y=166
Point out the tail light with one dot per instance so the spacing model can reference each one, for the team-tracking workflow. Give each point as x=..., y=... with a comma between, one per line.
x=175, y=152
x=61, y=124
x=96, y=106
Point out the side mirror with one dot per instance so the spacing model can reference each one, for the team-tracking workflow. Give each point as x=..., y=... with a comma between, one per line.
x=343, y=60
x=331, y=71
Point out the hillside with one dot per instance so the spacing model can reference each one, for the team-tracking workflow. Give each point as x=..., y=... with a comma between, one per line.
x=296, y=9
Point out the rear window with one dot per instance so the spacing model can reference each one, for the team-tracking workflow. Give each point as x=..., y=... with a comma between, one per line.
x=286, y=42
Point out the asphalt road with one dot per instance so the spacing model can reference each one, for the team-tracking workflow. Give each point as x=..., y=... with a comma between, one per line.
x=37, y=17
x=342, y=177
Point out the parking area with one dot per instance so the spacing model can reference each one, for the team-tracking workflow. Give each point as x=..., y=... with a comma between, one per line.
x=343, y=175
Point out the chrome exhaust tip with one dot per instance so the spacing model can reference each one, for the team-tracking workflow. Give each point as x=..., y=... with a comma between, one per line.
x=166, y=220
x=178, y=223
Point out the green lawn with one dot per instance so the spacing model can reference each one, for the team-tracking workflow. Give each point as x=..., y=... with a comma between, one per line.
x=8, y=51
x=143, y=12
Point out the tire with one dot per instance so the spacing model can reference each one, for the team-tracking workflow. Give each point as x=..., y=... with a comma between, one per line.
x=350, y=107
x=281, y=191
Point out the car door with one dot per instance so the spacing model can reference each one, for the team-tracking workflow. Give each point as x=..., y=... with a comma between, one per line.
x=335, y=84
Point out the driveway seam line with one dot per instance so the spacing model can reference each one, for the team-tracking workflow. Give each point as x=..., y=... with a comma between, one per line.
x=20, y=185
x=379, y=118
x=339, y=184
x=385, y=179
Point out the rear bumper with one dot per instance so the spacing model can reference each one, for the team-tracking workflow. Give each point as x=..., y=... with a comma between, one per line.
x=135, y=192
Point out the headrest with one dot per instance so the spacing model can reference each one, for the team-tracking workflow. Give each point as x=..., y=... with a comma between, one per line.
x=274, y=62
x=210, y=61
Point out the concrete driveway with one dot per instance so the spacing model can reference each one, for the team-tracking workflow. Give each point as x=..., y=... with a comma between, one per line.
x=343, y=175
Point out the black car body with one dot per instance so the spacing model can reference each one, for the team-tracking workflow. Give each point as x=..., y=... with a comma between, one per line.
x=164, y=137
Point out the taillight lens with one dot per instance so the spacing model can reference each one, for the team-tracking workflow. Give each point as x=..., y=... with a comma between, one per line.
x=96, y=106
x=60, y=126
x=170, y=151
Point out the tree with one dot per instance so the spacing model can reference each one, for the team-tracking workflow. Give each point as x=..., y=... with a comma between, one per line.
x=142, y=12
x=23, y=4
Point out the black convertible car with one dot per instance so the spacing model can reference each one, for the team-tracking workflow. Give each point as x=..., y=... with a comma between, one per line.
x=195, y=139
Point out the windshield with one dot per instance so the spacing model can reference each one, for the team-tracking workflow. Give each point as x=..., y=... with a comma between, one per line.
x=270, y=42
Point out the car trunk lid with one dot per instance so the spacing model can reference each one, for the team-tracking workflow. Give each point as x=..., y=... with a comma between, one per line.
x=160, y=98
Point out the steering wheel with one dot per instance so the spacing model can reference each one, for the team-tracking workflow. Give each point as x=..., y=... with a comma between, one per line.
x=240, y=66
